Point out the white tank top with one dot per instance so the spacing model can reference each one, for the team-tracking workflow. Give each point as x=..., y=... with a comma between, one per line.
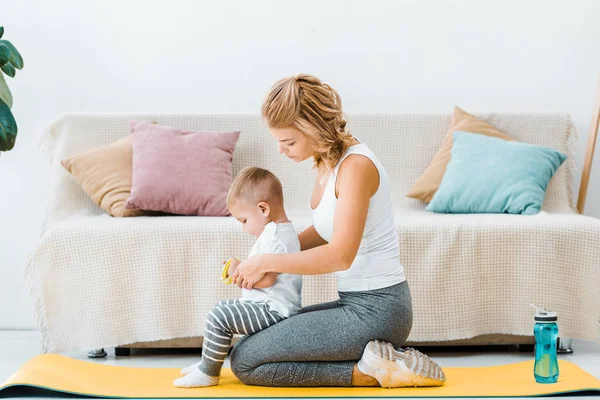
x=377, y=263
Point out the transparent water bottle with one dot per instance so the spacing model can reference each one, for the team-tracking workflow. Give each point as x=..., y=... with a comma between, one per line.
x=545, y=330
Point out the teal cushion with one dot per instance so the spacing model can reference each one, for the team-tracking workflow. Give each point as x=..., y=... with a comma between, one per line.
x=492, y=175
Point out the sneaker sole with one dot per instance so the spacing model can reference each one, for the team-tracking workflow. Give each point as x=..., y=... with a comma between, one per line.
x=392, y=370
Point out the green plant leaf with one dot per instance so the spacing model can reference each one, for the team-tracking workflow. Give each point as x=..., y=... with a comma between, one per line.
x=1, y=31
x=8, y=128
x=4, y=54
x=15, y=57
x=5, y=94
x=8, y=69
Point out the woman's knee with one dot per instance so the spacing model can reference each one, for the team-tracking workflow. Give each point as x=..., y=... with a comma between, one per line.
x=241, y=362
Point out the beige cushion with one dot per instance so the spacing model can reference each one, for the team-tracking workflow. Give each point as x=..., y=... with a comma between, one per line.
x=105, y=173
x=429, y=182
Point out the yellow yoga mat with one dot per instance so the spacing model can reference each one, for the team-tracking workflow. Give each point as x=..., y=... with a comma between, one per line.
x=67, y=375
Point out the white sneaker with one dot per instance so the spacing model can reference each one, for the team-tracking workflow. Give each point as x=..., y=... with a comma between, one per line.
x=399, y=368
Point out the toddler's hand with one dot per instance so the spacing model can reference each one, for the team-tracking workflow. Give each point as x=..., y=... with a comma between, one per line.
x=233, y=265
x=229, y=267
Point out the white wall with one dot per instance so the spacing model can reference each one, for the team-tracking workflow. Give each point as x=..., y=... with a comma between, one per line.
x=116, y=55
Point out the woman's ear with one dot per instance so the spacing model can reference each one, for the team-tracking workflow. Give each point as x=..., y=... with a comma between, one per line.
x=264, y=208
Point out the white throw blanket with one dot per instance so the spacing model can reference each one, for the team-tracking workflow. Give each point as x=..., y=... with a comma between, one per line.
x=99, y=281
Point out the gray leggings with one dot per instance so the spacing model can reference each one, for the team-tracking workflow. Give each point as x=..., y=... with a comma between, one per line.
x=320, y=346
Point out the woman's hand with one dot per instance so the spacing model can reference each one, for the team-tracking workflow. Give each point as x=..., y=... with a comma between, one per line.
x=248, y=272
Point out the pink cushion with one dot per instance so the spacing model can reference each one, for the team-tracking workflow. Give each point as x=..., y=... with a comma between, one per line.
x=180, y=172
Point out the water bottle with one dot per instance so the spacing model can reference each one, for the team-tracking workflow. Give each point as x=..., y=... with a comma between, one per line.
x=545, y=369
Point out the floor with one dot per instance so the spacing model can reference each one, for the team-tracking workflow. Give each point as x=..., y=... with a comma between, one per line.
x=16, y=347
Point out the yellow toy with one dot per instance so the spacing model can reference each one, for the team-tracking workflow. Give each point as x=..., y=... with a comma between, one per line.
x=225, y=272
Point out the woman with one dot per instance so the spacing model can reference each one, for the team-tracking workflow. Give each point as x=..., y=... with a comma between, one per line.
x=353, y=235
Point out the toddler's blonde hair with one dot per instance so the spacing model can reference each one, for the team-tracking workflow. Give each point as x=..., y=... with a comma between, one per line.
x=253, y=185
x=315, y=109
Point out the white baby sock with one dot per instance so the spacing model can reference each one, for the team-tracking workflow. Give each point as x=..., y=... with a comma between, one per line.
x=190, y=368
x=196, y=378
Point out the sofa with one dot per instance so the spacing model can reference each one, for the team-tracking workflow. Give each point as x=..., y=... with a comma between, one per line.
x=99, y=281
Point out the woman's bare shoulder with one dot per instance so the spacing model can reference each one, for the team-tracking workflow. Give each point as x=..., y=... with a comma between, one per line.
x=358, y=169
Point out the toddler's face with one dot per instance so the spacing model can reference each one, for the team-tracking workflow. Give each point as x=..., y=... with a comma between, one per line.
x=253, y=217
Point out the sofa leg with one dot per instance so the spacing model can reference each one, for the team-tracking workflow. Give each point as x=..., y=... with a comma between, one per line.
x=96, y=353
x=526, y=348
x=564, y=346
x=122, y=351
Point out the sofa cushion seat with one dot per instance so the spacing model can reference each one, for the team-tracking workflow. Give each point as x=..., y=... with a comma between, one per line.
x=159, y=276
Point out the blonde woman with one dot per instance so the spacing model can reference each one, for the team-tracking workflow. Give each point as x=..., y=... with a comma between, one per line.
x=355, y=340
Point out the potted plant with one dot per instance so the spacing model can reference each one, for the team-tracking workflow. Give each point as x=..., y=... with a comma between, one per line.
x=10, y=61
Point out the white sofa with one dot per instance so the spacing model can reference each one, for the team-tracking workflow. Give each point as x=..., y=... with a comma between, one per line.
x=98, y=281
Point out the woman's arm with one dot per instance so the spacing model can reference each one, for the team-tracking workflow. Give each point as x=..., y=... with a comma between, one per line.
x=267, y=281
x=358, y=180
x=309, y=239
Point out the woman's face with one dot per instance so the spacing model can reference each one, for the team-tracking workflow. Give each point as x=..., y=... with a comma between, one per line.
x=292, y=143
